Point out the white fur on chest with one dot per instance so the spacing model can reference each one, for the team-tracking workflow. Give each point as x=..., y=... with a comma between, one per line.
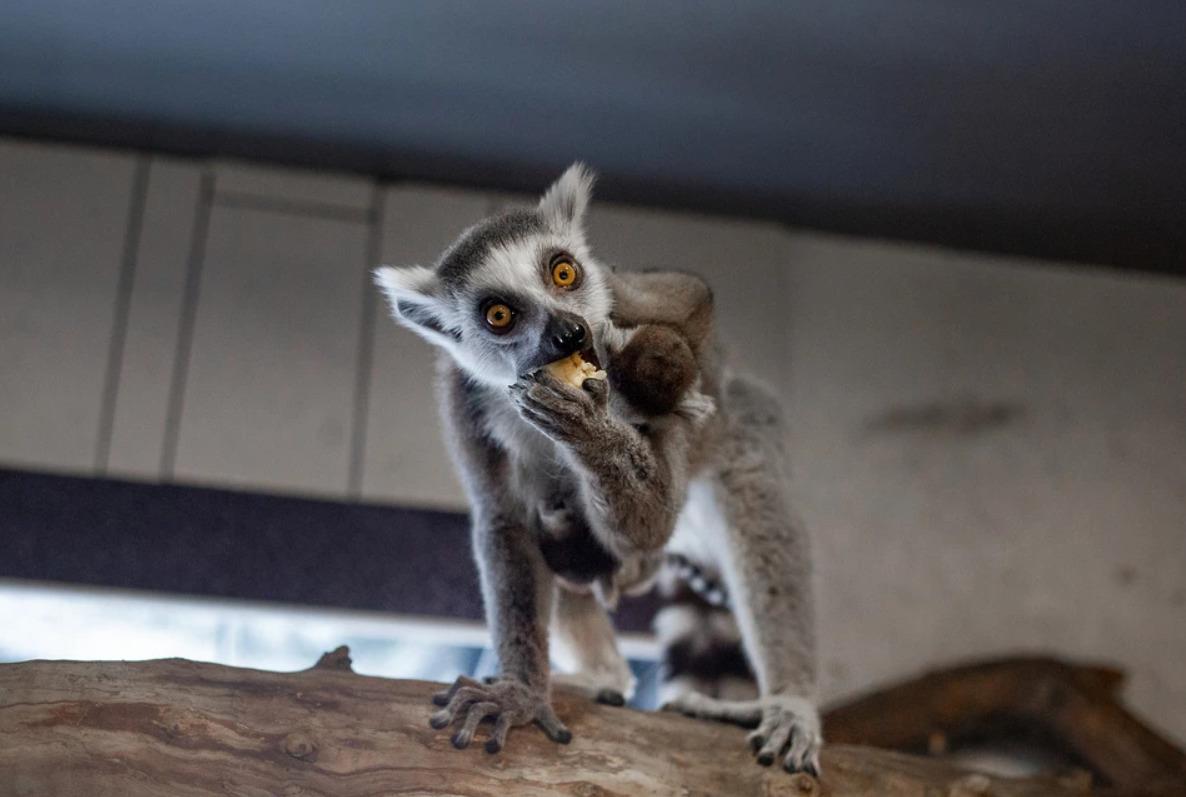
x=700, y=527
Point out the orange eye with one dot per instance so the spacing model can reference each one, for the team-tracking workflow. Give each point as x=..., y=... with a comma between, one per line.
x=499, y=317
x=564, y=274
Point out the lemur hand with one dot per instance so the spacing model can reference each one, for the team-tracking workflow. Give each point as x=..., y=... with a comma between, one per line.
x=507, y=701
x=787, y=727
x=564, y=413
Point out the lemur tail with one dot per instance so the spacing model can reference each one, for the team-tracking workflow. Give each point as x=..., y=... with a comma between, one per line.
x=701, y=645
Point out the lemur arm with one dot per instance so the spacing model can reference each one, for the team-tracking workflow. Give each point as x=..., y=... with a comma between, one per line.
x=634, y=481
x=766, y=564
x=516, y=582
x=517, y=588
x=637, y=478
x=635, y=484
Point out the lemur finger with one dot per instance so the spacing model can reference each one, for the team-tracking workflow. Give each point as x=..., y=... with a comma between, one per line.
x=547, y=385
x=757, y=739
x=477, y=713
x=598, y=390
x=498, y=737
x=775, y=743
x=549, y=425
x=804, y=752
x=543, y=416
x=554, y=400
x=544, y=378
x=557, y=412
x=461, y=698
x=552, y=726
x=443, y=697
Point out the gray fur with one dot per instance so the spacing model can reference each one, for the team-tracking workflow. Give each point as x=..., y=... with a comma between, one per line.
x=467, y=252
x=545, y=464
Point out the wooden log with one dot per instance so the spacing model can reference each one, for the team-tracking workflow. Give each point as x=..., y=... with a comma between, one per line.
x=186, y=729
x=1074, y=706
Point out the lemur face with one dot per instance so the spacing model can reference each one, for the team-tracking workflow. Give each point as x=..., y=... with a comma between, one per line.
x=514, y=292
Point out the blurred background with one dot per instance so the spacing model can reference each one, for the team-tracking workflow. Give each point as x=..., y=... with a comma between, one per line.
x=953, y=235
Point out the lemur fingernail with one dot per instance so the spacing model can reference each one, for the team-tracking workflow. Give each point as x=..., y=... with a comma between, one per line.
x=766, y=759
x=492, y=746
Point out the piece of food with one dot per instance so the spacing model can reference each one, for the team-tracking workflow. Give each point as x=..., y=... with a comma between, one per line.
x=574, y=370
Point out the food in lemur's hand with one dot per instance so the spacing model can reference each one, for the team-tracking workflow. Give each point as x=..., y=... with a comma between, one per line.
x=574, y=370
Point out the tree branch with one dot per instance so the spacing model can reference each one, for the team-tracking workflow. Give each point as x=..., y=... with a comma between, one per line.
x=187, y=729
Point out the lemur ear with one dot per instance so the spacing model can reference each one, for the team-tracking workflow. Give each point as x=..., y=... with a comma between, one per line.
x=415, y=302
x=563, y=205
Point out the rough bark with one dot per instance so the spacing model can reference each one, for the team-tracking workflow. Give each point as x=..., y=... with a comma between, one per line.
x=185, y=729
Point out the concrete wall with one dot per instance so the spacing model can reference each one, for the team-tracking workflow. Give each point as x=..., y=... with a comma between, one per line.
x=989, y=452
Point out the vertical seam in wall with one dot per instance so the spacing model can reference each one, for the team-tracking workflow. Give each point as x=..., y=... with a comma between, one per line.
x=185, y=326
x=123, y=303
x=366, y=346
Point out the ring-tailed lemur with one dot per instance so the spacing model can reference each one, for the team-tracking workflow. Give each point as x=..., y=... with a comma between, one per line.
x=542, y=461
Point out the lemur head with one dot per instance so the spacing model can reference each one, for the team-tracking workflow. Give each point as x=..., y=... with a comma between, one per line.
x=514, y=292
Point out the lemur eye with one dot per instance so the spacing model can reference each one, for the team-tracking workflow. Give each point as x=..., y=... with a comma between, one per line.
x=564, y=273
x=499, y=317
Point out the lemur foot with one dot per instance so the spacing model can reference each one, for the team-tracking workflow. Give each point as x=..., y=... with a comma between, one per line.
x=786, y=726
x=608, y=688
x=506, y=701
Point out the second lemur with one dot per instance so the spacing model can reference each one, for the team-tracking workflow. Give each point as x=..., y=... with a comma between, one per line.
x=579, y=492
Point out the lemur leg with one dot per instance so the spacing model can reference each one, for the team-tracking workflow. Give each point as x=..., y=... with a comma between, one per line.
x=766, y=567
x=518, y=590
x=633, y=484
x=584, y=645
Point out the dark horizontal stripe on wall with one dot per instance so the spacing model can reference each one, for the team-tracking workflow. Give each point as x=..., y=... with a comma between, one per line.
x=252, y=546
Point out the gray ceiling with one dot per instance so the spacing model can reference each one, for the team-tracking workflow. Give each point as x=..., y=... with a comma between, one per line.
x=1051, y=128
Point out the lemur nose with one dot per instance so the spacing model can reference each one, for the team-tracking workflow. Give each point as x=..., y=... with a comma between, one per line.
x=570, y=336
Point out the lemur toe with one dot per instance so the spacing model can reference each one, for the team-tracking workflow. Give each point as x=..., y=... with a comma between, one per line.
x=610, y=697
x=552, y=726
x=473, y=718
x=776, y=742
x=804, y=753
x=498, y=737
x=443, y=697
